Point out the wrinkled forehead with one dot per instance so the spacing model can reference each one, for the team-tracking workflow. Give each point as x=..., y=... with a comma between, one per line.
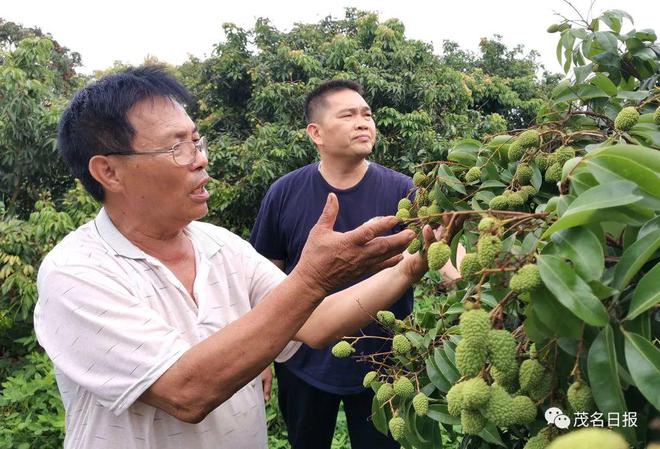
x=160, y=117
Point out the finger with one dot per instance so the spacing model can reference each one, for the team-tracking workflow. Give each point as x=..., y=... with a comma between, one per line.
x=375, y=268
x=382, y=248
x=369, y=231
x=429, y=236
x=330, y=211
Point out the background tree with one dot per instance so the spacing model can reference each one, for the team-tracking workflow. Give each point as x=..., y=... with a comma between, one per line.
x=37, y=76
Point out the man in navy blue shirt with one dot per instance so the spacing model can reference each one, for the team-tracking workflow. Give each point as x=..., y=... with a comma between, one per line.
x=313, y=382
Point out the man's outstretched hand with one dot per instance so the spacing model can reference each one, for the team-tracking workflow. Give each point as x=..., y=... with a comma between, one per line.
x=331, y=260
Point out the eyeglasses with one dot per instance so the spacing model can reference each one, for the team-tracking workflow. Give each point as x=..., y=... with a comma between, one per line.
x=184, y=153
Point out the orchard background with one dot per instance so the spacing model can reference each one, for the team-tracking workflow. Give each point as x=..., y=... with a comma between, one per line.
x=576, y=197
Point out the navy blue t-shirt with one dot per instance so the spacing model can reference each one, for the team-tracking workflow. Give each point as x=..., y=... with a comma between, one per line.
x=289, y=210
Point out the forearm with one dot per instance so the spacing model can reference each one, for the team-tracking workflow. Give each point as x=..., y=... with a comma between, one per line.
x=210, y=372
x=349, y=310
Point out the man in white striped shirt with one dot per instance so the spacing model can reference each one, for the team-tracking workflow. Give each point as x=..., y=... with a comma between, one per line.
x=158, y=325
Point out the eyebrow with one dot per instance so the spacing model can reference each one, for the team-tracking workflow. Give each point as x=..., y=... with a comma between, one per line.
x=362, y=108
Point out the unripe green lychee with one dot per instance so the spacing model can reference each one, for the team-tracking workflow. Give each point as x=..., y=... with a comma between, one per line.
x=514, y=200
x=369, y=378
x=502, y=351
x=499, y=202
x=553, y=173
x=342, y=349
x=515, y=152
x=404, y=203
x=473, y=174
x=474, y=325
x=397, y=427
x=538, y=441
x=385, y=393
x=541, y=161
x=418, y=178
x=438, y=255
x=499, y=409
x=530, y=138
x=470, y=266
x=488, y=248
x=525, y=409
x=542, y=389
x=553, y=28
x=470, y=357
x=455, y=399
x=589, y=438
x=403, y=214
x=385, y=317
x=530, y=375
x=526, y=279
x=434, y=209
x=564, y=154
x=476, y=392
x=488, y=224
x=527, y=191
x=422, y=198
x=506, y=379
x=401, y=345
x=656, y=116
x=414, y=246
x=626, y=118
x=423, y=212
x=421, y=404
x=580, y=398
x=472, y=422
x=523, y=173
x=403, y=388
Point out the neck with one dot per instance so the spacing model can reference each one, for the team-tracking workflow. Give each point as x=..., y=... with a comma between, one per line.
x=162, y=242
x=342, y=173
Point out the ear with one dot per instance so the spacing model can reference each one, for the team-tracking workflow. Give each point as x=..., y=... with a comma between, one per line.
x=315, y=134
x=104, y=170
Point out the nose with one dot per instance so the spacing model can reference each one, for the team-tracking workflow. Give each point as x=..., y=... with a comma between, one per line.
x=201, y=160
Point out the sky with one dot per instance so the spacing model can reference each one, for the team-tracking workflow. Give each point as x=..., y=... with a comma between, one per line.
x=129, y=30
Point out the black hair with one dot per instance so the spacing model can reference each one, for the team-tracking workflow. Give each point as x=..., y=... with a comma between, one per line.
x=316, y=98
x=95, y=122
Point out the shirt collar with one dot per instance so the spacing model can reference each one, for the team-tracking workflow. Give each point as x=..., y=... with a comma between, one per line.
x=124, y=247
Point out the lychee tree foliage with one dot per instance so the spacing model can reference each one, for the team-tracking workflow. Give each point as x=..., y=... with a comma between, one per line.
x=560, y=281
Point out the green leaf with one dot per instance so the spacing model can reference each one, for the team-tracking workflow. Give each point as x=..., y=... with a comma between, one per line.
x=634, y=258
x=639, y=165
x=378, y=417
x=592, y=205
x=605, y=84
x=554, y=315
x=435, y=375
x=607, y=41
x=448, y=178
x=535, y=329
x=645, y=358
x=571, y=290
x=602, y=365
x=583, y=248
x=637, y=95
x=447, y=369
x=491, y=435
x=439, y=413
x=647, y=293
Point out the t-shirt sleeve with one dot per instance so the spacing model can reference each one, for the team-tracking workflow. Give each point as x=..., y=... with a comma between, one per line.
x=101, y=336
x=266, y=236
x=263, y=276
